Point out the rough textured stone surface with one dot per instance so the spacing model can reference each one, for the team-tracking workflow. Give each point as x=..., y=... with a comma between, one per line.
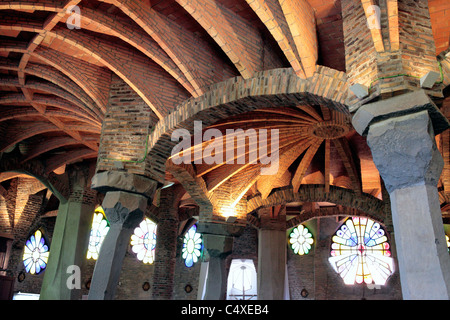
x=70, y=239
x=115, y=180
x=405, y=152
x=396, y=106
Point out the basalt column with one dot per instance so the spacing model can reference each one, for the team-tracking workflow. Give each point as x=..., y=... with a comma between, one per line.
x=401, y=135
x=70, y=240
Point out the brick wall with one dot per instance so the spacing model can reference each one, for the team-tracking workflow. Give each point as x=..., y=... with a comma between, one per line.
x=185, y=276
x=314, y=273
x=237, y=96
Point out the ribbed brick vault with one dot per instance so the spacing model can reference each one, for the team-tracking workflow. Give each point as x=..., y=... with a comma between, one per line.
x=55, y=84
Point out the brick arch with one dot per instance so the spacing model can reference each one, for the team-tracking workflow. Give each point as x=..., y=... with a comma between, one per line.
x=9, y=113
x=45, y=86
x=56, y=184
x=356, y=204
x=271, y=88
x=54, y=76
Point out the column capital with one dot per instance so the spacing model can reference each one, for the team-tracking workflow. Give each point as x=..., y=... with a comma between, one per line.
x=220, y=229
x=123, y=181
x=124, y=208
x=404, y=104
x=405, y=152
x=217, y=245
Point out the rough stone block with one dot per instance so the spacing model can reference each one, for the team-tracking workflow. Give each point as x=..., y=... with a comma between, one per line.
x=397, y=106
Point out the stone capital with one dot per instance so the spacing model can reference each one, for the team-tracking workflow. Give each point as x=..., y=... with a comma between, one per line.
x=405, y=152
x=404, y=104
x=220, y=229
x=217, y=245
x=123, y=181
x=124, y=208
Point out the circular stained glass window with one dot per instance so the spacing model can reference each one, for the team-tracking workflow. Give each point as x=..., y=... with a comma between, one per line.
x=301, y=240
x=100, y=228
x=192, y=246
x=35, y=254
x=360, y=252
x=143, y=241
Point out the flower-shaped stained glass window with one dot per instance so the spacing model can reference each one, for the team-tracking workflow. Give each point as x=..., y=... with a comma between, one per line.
x=36, y=253
x=360, y=252
x=100, y=228
x=143, y=241
x=192, y=246
x=301, y=240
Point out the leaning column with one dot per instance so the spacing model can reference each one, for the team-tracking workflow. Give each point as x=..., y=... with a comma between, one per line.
x=70, y=239
x=124, y=212
x=124, y=207
x=401, y=135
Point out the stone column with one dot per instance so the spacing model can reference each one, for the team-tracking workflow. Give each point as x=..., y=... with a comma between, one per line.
x=124, y=212
x=218, y=245
x=69, y=243
x=401, y=135
x=271, y=255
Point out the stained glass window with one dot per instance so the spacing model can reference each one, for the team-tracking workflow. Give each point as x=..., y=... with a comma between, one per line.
x=143, y=241
x=100, y=228
x=360, y=252
x=301, y=240
x=36, y=253
x=192, y=246
x=448, y=242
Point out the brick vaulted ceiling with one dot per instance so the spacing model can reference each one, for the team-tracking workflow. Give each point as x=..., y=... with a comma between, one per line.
x=54, y=82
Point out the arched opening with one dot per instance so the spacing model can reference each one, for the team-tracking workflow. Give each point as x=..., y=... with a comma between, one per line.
x=242, y=280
